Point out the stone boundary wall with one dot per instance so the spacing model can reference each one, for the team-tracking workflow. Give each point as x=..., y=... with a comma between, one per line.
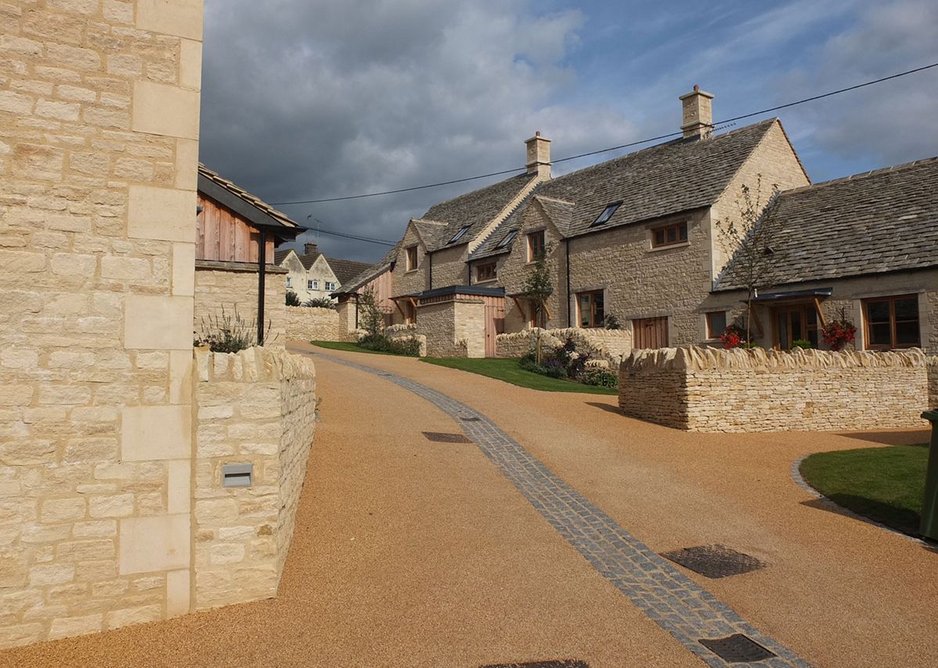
x=612, y=345
x=255, y=407
x=224, y=292
x=712, y=390
x=406, y=333
x=932, y=370
x=312, y=324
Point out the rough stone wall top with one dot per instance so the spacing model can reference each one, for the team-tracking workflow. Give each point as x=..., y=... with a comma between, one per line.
x=695, y=358
x=252, y=365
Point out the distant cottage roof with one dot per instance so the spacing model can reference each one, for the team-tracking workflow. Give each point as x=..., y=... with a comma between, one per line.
x=371, y=272
x=251, y=208
x=870, y=223
x=345, y=270
x=680, y=175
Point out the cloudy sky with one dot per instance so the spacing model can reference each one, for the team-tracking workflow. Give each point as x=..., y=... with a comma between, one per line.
x=311, y=99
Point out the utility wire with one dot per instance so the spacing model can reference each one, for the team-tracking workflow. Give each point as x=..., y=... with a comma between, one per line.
x=614, y=148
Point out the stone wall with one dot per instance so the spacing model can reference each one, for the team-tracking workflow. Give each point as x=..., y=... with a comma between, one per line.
x=312, y=324
x=222, y=288
x=406, y=333
x=99, y=121
x=453, y=328
x=932, y=366
x=705, y=389
x=612, y=345
x=255, y=407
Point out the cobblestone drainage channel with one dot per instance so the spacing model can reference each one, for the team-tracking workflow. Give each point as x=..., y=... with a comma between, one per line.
x=714, y=561
x=690, y=613
x=567, y=663
x=737, y=648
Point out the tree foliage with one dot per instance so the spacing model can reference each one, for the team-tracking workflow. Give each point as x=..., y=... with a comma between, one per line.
x=748, y=239
x=292, y=298
x=370, y=317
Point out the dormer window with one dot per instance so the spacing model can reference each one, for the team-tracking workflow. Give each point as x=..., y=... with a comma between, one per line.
x=507, y=239
x=604, y=217
x=459, y=235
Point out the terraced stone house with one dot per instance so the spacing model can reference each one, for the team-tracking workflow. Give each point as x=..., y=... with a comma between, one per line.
x=634, y=238
x=863, y=247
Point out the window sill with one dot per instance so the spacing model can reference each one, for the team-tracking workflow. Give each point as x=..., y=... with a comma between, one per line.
x=655, y=249
x=487, y=280
x=410, y=271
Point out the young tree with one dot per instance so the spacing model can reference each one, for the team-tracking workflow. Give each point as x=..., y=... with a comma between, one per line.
x=537, y=288
x=748, y=241
x=369, y=315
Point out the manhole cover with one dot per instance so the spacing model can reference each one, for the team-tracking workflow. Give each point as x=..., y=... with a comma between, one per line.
x=441, y=437
x=714, y=561
x=567, y=663
x=737, y=648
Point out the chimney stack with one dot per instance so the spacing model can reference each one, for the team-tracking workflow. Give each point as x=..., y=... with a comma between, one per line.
x=310, y=249
x=697, y=119
x=538, y=154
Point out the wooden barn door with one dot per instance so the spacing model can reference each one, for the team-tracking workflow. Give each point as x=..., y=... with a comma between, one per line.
x=650, y=333
x=494, y=322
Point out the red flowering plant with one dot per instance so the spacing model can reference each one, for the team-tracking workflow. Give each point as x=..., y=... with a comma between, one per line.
x=838, y=333
x=733, y=336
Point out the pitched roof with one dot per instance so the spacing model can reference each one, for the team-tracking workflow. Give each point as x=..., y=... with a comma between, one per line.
x=370, y=272
x=669, y=178
x=306, y=259
x=251, y=207
x=870, y=223
x=345, y=270
x=473, y=210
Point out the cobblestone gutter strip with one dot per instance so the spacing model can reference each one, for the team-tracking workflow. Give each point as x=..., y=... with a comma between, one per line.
x=668, y=597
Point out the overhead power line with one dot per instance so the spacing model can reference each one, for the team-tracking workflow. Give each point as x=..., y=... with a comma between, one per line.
x=669, y=135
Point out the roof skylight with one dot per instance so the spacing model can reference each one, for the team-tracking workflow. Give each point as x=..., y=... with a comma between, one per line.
x=459, y=234
x=507, y=239
x=606, y=214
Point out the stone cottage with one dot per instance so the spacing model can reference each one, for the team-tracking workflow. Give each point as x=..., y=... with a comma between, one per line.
x=861, y=247
x=312, y=275
x=634, y=237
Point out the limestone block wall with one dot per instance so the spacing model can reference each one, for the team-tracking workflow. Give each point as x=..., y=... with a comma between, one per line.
x=453, y=328
x=226, y=287
x=706, y=389
x=99, y=121
x=255, y=407
x=932, y=369
x=405, y=333
x=612, y=345
x=312, y=324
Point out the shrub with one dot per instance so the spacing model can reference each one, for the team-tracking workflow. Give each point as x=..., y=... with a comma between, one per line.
x=611, y=322
x=801, y=343
x=600, y=377
x=292, y=298
x=228, y=333
x=382, y=344
x=320, y=302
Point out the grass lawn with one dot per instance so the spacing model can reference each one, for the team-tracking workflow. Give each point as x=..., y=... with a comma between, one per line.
x=509, y=371
x=884, y=484
x=348, y=347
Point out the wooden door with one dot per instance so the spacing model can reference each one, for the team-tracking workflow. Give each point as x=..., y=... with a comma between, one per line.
x=650, y=333
x=494, y=324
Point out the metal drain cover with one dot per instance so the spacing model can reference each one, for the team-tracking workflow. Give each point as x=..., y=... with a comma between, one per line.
x=714, y=561
x=567, y=663
x=442, y=437
x=737, y=648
